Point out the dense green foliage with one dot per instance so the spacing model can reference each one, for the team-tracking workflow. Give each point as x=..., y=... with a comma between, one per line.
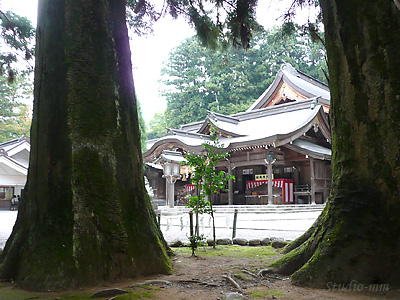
x=216, y=22
x=142, y=127
x=207, y=181
x=17, y=35
x=229, y=81
x=16, y=88
x=157, y=126
x=15, y=115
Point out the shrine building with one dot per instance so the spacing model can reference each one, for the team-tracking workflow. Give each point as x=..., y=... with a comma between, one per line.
x=285, y=135
x=14, y=161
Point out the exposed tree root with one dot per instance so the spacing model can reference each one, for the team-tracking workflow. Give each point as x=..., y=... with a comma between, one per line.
x=232, y=281
x=151, y=282
x=250, y=273
x=300, y=240
x=195, y=281
x=108, y=293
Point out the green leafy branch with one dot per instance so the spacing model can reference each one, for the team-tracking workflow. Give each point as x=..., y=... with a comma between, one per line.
x=207, y=181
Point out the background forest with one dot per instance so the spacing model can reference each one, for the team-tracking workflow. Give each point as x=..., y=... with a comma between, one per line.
x=198, y=79
x=15, y=114
x=16, y=80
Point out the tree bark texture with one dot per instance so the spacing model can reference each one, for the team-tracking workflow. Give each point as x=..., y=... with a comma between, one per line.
x=85, y=215
x=357, y=236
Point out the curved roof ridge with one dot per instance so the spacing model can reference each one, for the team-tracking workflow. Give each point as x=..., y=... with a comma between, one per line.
x=191, y=126
x=299, y=73
x=183, y=132
x=226, y=118
x=276, y=109
x=214, y=122
x=304, y=84
x=14, y=164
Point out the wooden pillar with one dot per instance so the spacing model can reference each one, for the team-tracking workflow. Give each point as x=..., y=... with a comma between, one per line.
x=296, y=182
x=230, y=185
x=270, y=199
x=296, y=175
x=312, y=171
x=326, y=189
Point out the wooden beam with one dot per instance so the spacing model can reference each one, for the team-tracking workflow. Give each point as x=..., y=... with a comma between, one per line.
x=258, y=162
x=312, y=171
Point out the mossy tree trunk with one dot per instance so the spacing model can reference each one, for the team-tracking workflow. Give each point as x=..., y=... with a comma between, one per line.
x=357, y=236
x=85, y=215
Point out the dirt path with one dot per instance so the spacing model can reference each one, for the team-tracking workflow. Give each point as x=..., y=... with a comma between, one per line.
x=204, y=278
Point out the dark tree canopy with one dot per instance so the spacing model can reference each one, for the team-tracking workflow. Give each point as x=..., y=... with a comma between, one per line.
x=216, y=22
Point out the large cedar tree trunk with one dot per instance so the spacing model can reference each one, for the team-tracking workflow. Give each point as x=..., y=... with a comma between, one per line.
x=85, y=215
x=357, y=236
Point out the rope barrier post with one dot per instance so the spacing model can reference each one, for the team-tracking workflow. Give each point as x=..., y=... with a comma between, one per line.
x=234, y=223
x=191, y=223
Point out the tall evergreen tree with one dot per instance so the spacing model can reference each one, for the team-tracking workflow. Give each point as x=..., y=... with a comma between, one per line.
x=85, y=208
x=357, y=236
x=157, y=126
x=16, y=45
x=17, y=36
x=15, y=115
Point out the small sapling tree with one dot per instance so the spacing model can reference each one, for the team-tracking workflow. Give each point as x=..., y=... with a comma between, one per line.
x=207, y=181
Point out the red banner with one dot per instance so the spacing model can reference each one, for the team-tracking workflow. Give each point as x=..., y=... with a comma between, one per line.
x=189, y=188
x=285, y=184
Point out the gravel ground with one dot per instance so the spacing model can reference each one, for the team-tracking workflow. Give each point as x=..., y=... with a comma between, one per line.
x=7, y=220
x=288, y=226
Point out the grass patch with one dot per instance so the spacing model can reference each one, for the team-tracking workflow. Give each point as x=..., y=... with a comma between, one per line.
x=267, y=294
x=232, y=251
x=243, y=276
x=7, y=292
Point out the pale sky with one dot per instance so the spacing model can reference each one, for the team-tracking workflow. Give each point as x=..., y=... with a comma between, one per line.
x=148, y=53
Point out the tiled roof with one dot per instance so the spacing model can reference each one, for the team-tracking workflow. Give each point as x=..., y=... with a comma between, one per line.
x=266, y=127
